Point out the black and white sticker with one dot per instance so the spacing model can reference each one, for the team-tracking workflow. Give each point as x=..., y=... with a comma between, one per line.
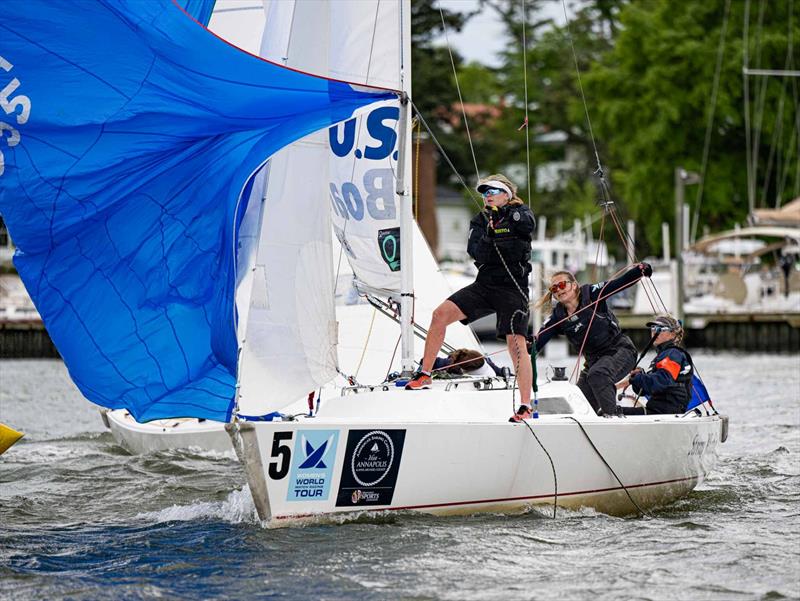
x=371, y=462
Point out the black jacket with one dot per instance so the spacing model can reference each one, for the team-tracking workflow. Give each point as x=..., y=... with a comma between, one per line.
x=509, y=234
x=668, y=383
x=606, y=334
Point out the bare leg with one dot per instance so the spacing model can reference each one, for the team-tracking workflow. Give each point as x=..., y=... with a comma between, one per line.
x=522, y=366
x=445, y=314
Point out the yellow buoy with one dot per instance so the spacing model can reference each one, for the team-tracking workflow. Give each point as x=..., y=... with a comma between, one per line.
x=8, y=436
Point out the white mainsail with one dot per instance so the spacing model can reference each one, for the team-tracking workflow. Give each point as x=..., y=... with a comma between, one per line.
x=289, y=347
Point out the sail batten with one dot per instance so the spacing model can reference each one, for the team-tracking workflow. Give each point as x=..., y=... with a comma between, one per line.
x=129, y=146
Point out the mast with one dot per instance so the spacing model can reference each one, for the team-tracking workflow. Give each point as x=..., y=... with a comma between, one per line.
x=404, y=197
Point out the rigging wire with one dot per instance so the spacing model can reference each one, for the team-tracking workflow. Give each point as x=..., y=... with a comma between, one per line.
x=469, y=190
x=710, y=123
x=460, y=99
x=746, y=86
x=525, y=124
x=761, y=95
x=583, y=95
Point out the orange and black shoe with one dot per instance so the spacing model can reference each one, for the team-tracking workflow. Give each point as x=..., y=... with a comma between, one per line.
x=524, y=412
x=420, y=381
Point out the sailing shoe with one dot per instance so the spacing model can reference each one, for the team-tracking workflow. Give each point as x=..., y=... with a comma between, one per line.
x=524, y=412
x=420, y=381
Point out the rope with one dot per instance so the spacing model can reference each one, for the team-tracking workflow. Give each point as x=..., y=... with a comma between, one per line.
x=599, y=454
x=710, y=124
x=552, y=466
x=460, y=99
x=366, y=342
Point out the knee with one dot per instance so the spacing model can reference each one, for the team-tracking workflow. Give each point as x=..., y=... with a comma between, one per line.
x=444, y=315
x=599, y=378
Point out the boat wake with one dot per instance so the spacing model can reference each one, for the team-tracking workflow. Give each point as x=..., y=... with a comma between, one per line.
x=237, y=508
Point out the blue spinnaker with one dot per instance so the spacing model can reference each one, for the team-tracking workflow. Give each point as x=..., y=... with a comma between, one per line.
x=127, y=135
x=200, y=10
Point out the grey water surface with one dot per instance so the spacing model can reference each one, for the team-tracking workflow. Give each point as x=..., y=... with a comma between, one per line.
x=82, y=519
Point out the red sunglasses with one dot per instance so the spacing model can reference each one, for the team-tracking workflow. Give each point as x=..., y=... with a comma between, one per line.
x=559, y=286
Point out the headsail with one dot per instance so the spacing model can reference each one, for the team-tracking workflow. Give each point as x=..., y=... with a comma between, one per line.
x=125, y=150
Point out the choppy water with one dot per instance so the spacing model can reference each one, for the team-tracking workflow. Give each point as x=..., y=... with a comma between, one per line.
x=82, y=519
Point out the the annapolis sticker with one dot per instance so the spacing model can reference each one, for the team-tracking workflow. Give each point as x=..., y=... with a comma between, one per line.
x=312, y=465
x=369, y=470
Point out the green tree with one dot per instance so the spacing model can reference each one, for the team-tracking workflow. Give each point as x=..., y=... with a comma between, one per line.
x=651, y=96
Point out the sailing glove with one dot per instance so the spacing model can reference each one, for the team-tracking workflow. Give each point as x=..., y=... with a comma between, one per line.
x=647, y=269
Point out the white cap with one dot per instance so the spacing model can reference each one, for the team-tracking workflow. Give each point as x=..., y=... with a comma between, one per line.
x=493, y=183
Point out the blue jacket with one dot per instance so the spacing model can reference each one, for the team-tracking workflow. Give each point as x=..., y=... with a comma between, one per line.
x=668, y=382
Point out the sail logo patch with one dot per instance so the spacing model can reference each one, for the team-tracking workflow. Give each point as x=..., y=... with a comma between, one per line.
x=312, y=465
x=370, y=467
x=389, y=243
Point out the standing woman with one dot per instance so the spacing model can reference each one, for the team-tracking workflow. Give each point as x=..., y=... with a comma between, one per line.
x=610, y=354
x=500, y=244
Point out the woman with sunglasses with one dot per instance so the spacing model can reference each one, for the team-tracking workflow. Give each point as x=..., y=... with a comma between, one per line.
x=582, y=314
x=668, y=382
x=500, y=244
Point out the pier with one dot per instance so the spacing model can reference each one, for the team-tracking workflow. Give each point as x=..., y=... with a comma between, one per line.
x=765, y=332
x=752, y=332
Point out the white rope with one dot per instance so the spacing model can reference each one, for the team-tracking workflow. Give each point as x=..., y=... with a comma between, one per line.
x=460, y=99
x=710, y=123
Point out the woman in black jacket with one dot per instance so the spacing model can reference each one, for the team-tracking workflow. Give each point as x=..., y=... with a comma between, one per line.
x=500, y=244
x=583, y=316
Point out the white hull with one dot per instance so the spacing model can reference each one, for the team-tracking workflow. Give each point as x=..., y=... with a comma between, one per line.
x=452, y=452
x=165, y=434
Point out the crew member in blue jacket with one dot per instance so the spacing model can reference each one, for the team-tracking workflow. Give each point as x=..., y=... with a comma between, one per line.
x=668, y=383
x=609, y=353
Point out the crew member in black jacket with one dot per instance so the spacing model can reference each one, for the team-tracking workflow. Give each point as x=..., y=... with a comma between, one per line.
x=668, y=382
x=500, y=243
x=609, y=353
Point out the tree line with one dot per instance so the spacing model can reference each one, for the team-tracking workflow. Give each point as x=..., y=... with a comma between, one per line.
x=664, y=87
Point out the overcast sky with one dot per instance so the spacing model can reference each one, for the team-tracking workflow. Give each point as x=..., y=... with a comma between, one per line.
x=482, y=38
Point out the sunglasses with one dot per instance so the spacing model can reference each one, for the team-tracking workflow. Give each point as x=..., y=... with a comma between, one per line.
x=660, y=329
x=559, y=286
x=492, y=192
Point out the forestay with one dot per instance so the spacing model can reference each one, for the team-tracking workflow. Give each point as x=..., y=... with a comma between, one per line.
x=129, y=134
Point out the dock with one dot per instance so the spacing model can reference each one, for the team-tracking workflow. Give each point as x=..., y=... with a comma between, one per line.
x=752, y=332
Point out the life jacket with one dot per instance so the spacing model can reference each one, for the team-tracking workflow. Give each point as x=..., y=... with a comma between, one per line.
x=606, y=335
x=675, y=397
x=510, y=236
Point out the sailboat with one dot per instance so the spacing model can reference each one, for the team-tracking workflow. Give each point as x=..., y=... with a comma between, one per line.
x=375, y=446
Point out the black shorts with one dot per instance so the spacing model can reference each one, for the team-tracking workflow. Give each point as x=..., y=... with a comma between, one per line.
x=479, y=300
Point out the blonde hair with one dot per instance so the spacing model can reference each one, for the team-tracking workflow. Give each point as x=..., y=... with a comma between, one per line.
x=547, y=297
x=514, y=200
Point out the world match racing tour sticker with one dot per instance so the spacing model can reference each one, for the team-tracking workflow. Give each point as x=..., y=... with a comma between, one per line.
x=371, y=463
x=312, y=465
